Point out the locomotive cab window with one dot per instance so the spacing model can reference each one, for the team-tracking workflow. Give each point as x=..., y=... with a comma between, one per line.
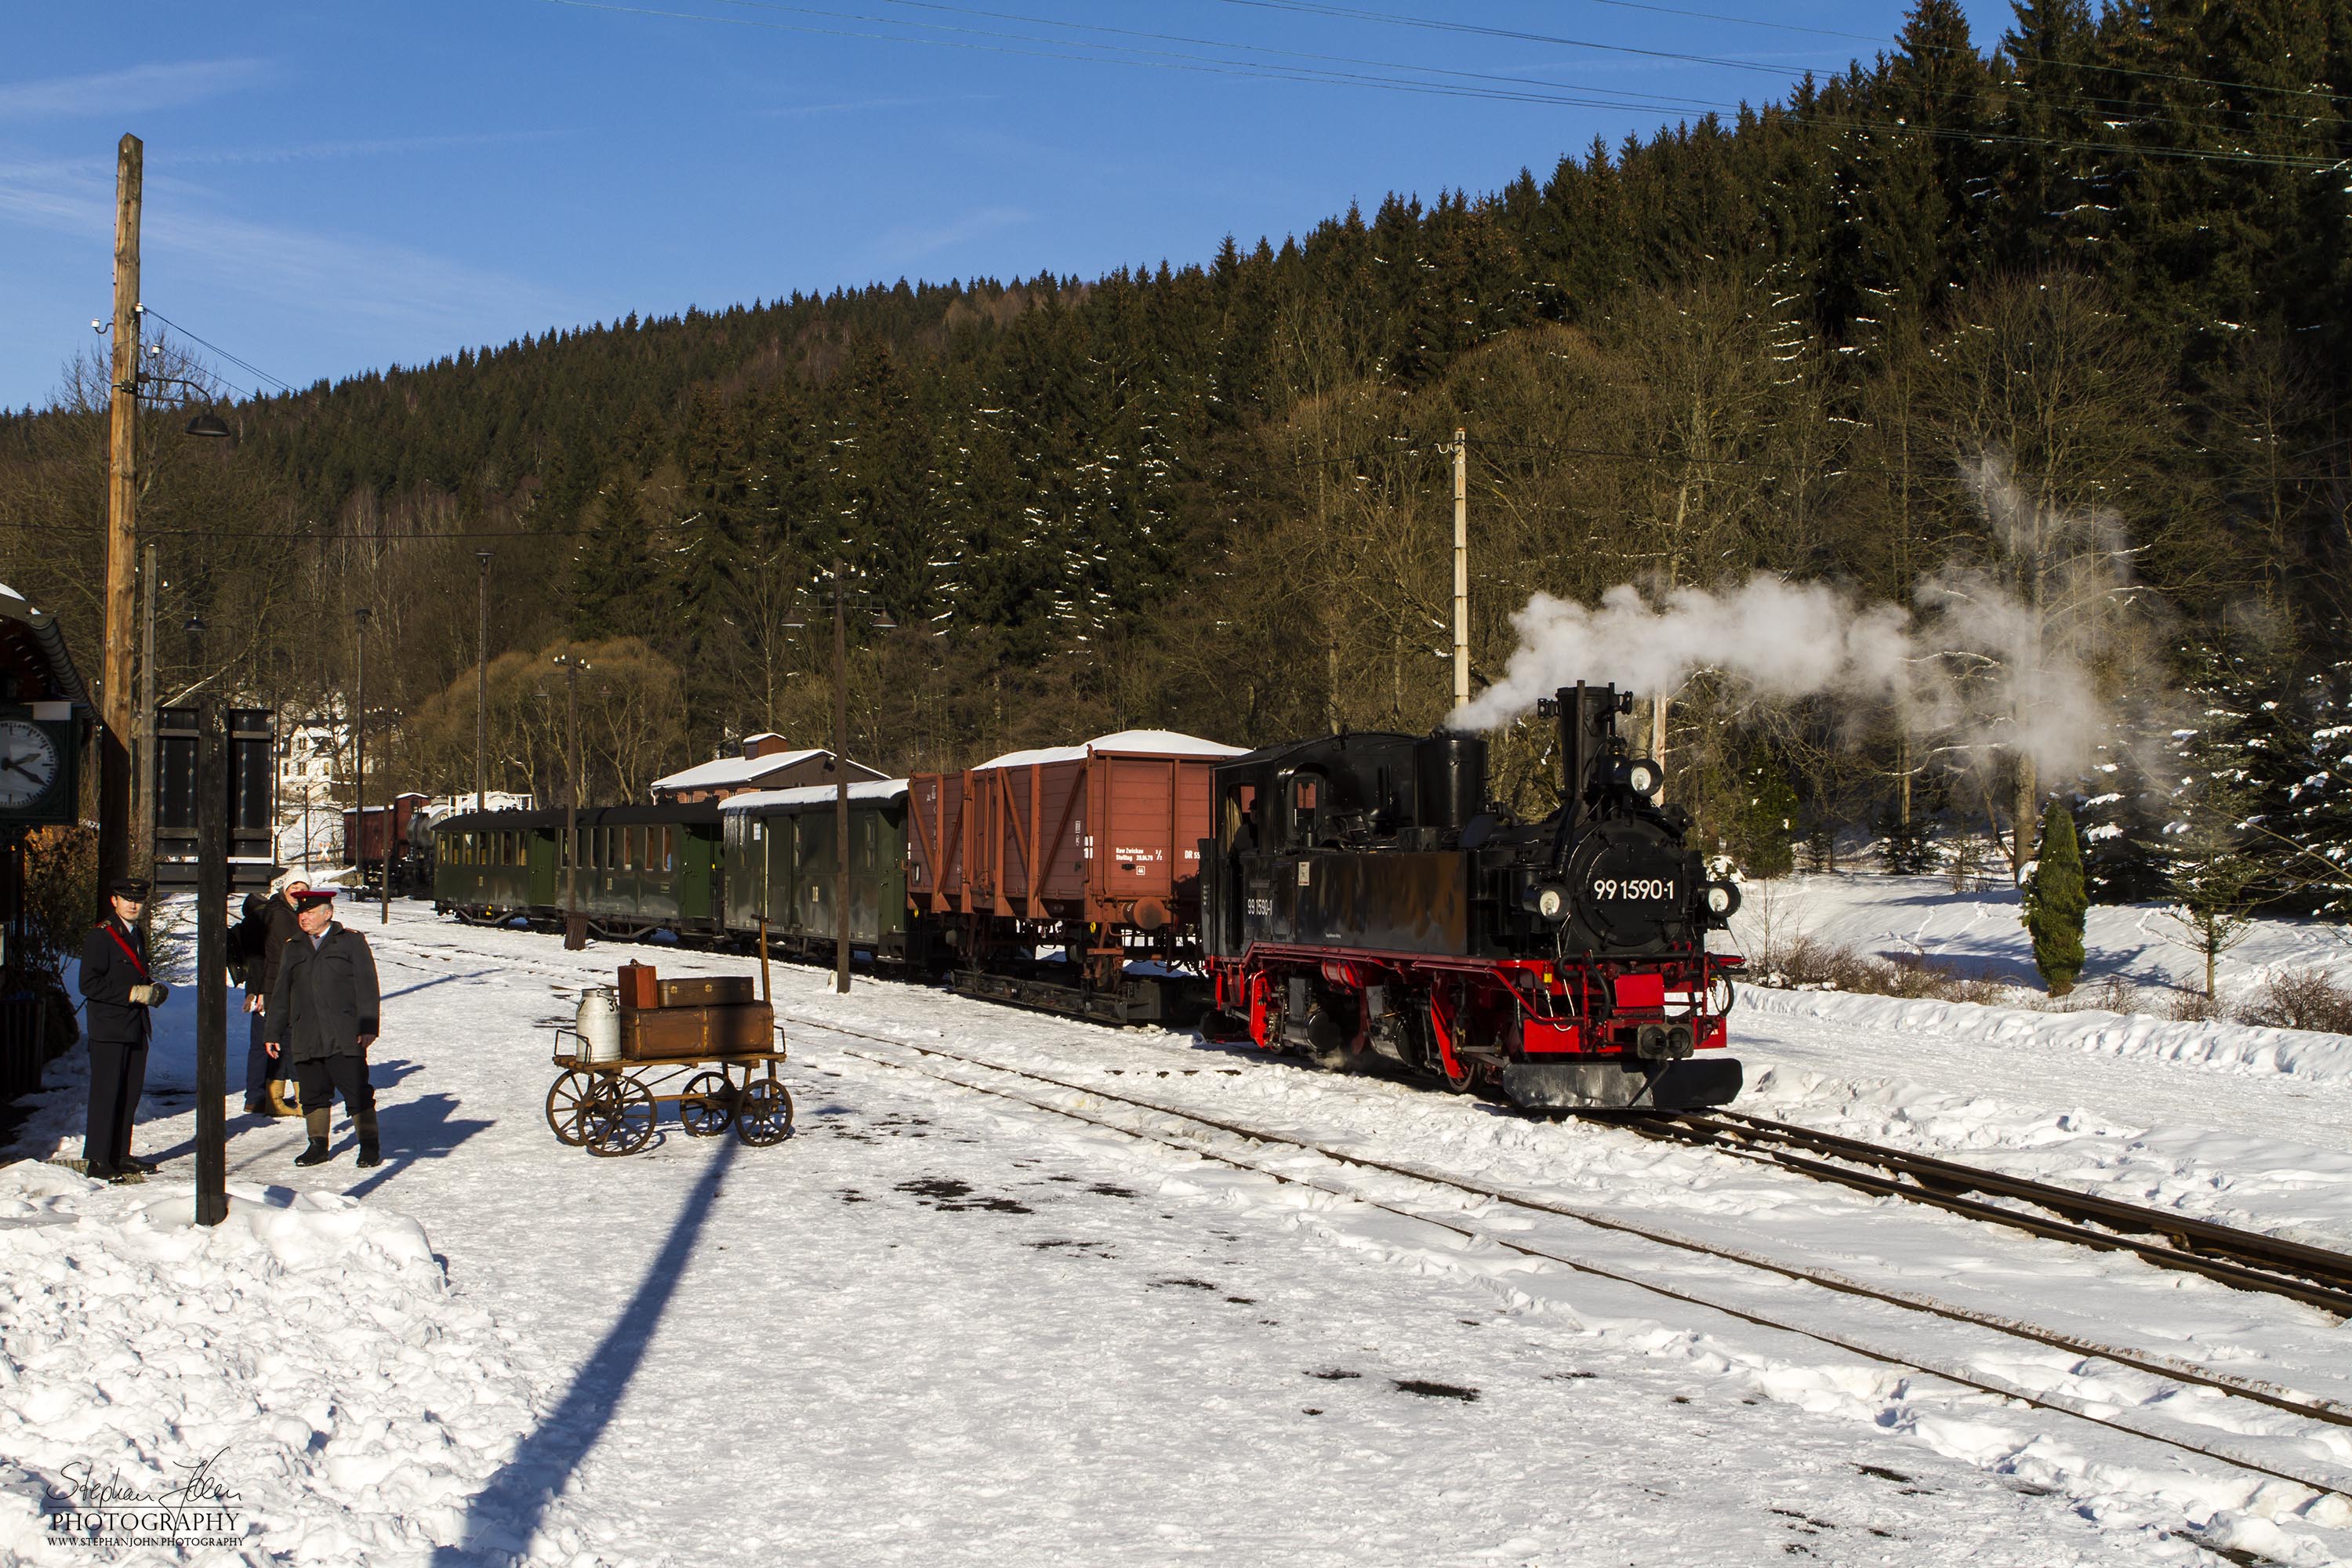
x=1306, y=811
x=1237, y=819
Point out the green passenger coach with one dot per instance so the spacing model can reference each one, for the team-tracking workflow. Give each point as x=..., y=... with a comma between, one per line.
x=781, y=862
x=642, y=867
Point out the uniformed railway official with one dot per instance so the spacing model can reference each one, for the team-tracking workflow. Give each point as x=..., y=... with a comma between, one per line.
x=322, y=1016
x=120, y=994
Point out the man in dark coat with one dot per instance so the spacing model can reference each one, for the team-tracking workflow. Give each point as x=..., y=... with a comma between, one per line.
x=322, y=1016
x=120, y=994
x=278, y=926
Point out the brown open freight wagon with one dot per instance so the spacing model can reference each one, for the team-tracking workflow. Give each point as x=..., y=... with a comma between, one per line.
x=1093, y=847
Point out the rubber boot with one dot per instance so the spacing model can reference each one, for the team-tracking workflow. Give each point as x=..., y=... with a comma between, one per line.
x=315, y=1122
x=371, y=1145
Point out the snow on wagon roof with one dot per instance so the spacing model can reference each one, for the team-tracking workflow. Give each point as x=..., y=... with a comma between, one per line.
x=1150, y=742
x=723, y=771
x=814, y=794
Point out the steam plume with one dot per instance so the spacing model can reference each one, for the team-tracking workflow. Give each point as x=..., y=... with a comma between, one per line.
x=1998, y=653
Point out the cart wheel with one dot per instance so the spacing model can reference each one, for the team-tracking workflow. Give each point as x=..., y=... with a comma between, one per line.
x=563, y=1102
x=707, y=1108
x=764, y=1114
x=617, y=1117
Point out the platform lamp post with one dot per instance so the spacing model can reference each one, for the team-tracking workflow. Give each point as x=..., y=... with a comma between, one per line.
x=357, y=846
x=575, y=929
x=211, y=954
x=880, y=619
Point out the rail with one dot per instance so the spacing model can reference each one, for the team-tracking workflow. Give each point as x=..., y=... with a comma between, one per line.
x=2246, y=1260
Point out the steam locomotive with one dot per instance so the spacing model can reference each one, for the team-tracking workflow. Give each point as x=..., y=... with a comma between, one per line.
x=1361, y=901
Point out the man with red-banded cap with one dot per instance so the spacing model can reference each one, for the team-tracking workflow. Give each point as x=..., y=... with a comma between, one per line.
x=323, y=1013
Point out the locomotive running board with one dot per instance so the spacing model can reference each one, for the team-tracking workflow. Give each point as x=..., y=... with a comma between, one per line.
x=1606, y=1086
x=1140, y=1000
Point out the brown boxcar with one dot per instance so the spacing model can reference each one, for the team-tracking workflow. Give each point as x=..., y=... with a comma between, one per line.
x=1094, y=848
x=380, y=842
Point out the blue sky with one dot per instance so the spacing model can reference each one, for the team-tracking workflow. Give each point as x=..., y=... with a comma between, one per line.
x=332, y=188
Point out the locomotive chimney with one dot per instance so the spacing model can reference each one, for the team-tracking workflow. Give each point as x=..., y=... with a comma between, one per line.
x=1449, y=778
x=1587, y=742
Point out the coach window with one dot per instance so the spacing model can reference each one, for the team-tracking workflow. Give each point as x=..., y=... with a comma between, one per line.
x=670, y=848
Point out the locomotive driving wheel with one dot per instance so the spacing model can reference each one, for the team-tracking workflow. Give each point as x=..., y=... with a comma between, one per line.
x=564, y=1099
x=764, y=1114
x=707, y=1107
x=617, y=1117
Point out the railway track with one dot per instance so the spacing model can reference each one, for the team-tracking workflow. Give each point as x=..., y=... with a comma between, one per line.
x=2246, y=1260
x=1006, y=1081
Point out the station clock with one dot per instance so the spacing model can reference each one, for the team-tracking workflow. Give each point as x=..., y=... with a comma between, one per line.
x=37, y=768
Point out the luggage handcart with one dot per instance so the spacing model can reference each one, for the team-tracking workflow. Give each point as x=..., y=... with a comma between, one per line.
x=610, y=1108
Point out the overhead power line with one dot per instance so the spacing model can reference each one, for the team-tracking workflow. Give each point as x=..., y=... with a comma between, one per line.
x=1471, y=85
x=246, y=366
x=1441, y=23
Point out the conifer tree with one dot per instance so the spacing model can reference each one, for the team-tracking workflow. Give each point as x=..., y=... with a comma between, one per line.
x=1766, y=823
x=2056, y=901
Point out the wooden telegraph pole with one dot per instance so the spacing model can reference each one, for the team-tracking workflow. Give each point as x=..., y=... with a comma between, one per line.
x=121, y=529
x=1461, y=567
x=482, y=684
x=147, y=775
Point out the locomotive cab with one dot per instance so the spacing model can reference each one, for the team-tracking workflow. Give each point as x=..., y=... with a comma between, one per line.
x=1363, y=899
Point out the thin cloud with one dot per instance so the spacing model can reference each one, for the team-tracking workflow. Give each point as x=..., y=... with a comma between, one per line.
x=808, y=110
x=301, y=275
x=150, y=87
x=379, y=147
x=907, y=244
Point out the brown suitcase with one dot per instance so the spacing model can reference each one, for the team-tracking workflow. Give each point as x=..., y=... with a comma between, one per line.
x=660, y=1033
x=639, y=986
x=712, y=991
x=743, y=1027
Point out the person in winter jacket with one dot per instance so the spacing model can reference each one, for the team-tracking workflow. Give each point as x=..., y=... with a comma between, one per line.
x=323, y=1013
x=278, y=926
x=120, y=994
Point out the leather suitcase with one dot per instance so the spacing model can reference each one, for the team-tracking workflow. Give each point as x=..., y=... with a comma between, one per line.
x=712, y=991
x=743, y=1027
x=663, y=1033
x=639, y=986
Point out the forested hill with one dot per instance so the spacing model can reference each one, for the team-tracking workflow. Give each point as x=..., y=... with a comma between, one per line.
x=2111, y=250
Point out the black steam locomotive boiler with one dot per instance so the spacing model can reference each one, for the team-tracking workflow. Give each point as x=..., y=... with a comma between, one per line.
x=1361, y=898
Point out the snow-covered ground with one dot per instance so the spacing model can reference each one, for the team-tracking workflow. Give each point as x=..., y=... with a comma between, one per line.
x=1979, y=934
x=941, y=1327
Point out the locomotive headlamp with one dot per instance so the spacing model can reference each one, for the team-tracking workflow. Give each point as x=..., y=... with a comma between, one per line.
x=1723, y=900
x=1641, y=775
x=1547, y=899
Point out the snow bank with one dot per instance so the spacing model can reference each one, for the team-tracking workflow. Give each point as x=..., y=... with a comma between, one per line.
x=306, y=1356
x=2218, y=1046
